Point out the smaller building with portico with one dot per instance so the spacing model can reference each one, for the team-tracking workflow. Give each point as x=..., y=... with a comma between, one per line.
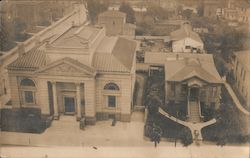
x=191, y=80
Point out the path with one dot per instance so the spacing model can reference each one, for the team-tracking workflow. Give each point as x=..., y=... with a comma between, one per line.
x=235, y=99
x=192, y=126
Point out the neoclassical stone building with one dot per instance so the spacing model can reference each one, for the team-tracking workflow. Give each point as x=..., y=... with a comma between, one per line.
x=82, y=73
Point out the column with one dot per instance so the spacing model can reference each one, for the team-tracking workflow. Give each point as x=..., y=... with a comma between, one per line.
x=78, y=102
x=90, y=111
x=55, y=104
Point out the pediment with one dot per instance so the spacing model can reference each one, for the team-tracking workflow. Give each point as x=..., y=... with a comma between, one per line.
x=67, y=67
x=194, y=80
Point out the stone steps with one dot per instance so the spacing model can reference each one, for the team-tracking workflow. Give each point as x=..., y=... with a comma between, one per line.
x=194, y=112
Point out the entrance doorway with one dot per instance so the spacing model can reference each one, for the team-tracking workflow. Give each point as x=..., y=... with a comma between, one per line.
x=69, y=105
x=194, y=94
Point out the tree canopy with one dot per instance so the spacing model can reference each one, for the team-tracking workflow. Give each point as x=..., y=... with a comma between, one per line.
x=95, y=7
x=6, y=38
x=187, y=13
x=126, y=8
x=157, y=12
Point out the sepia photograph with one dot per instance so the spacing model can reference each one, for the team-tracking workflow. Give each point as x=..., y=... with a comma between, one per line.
x=124, y=78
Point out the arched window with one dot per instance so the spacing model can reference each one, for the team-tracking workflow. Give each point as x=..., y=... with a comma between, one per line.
x=27, y=82
x=112, y=97
x=28, y=89
x=111, y=86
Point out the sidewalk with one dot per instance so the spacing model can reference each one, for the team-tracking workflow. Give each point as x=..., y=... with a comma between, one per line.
x=206, y=151
x=66, y=132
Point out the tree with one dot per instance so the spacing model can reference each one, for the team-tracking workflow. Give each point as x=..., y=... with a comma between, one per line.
x=187, y=13
x=95, y=7
x=126, y=8
x=6, y=38
x=156, y=134
x=200, y=9
x=157, y=12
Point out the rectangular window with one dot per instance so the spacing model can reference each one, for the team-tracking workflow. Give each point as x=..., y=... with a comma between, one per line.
x=112, y=101
x=28, y=97
x=188, y=47
x=183, y=88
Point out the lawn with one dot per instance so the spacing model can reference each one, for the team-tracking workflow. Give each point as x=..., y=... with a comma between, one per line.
x=231, y=126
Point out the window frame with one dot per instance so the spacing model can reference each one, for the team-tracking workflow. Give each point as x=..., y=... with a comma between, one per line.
x=27, y=88
x=115, y=101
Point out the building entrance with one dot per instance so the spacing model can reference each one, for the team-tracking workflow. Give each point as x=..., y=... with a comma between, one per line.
x=69, y=105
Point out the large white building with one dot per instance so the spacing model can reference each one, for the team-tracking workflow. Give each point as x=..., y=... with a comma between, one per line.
x=82, y=72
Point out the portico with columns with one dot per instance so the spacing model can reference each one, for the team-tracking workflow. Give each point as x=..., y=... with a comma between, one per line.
x=70, y=90
x=83, y=73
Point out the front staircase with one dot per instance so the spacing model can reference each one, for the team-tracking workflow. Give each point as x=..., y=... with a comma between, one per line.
x=194, y=112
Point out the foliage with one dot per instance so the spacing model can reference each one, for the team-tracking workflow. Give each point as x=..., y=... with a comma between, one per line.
x=186, y=137
x=200, y=9
x=126, y=8
x=154, y=132
x=178, y=110
x=153, y=104
x=157, y=125
x=157, y=12
x=225, y=40
x=232, y=40
x=207, y=111
x=220, y=64
x=187, y=13
x=26, y=120
x=230, y=126
x=6, y=38
x=95, y=7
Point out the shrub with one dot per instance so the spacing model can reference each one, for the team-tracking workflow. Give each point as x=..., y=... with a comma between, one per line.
x=26, y=120
x=186, y=137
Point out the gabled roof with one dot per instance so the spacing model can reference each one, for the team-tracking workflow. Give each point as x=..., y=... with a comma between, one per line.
x=77, y=37
x=120, y=59
x=185, y=32
x=30, y=61
x=112, y=13
x=71, y=62
x=113, y=54
x=183, y=69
